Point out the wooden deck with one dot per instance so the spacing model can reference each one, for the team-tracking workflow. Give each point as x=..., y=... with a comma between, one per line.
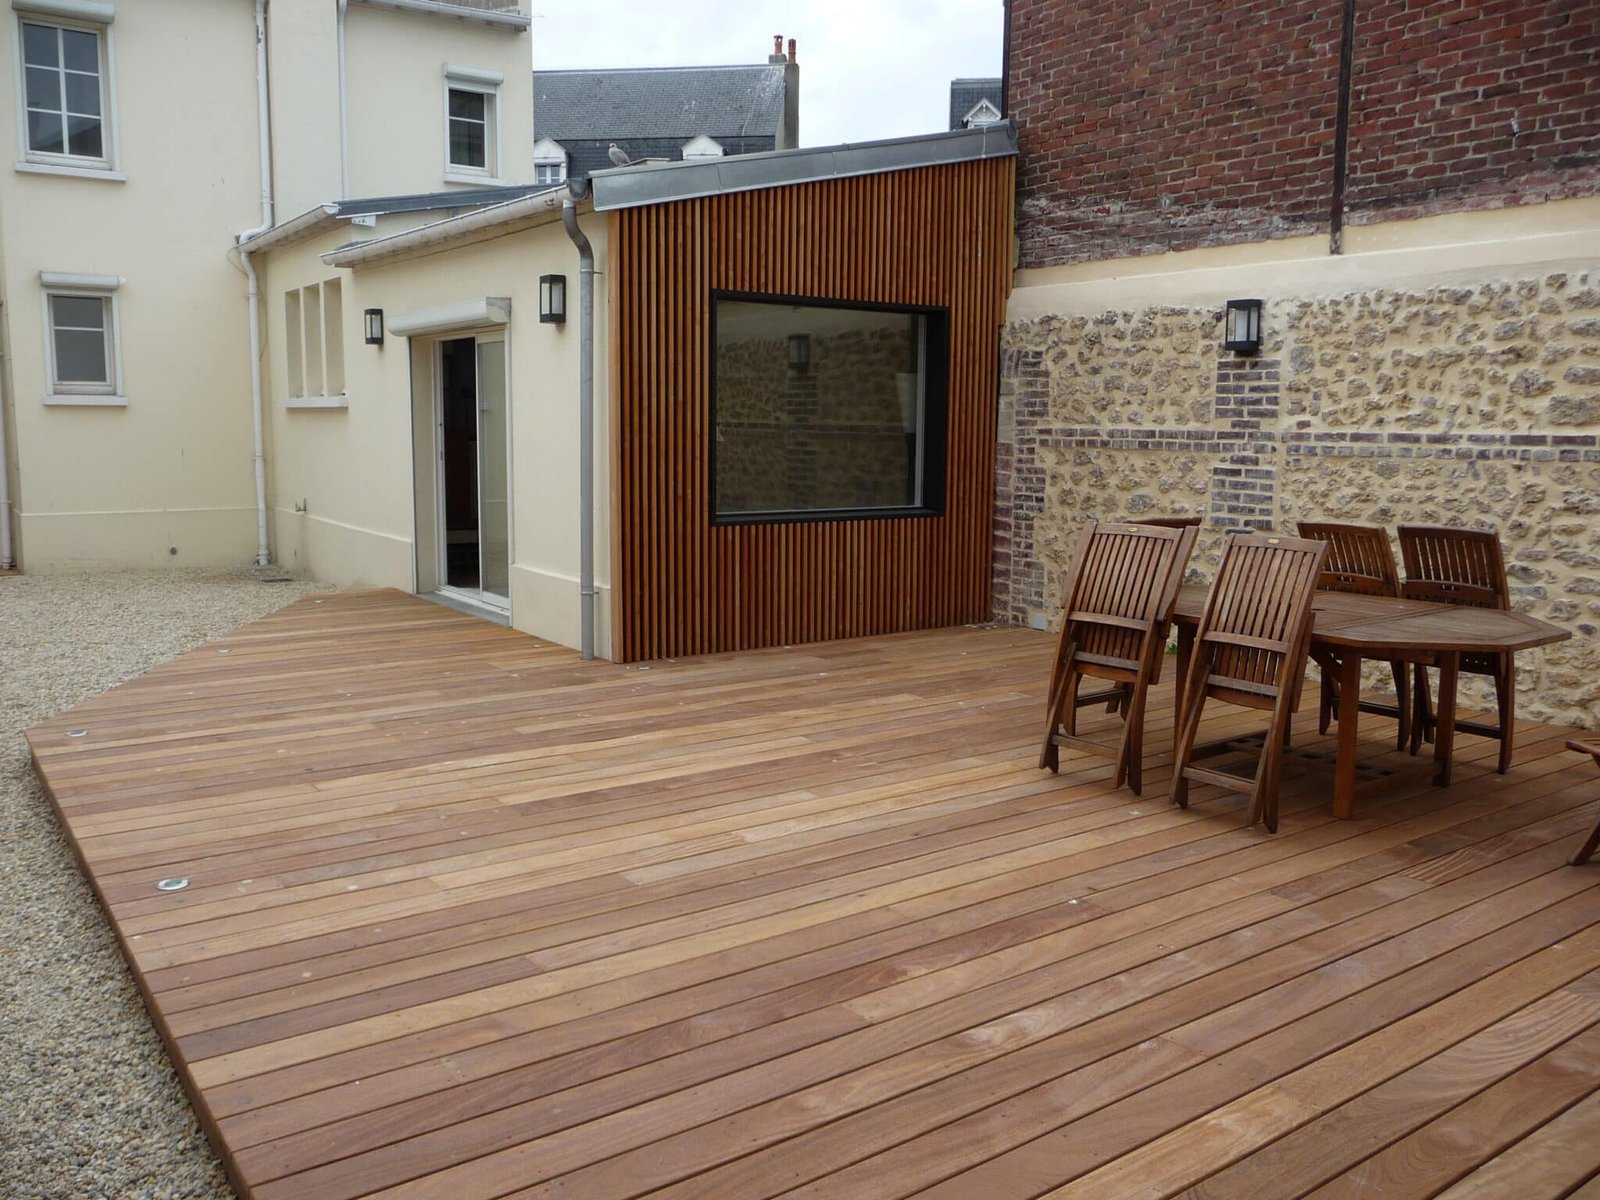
x=469, y=918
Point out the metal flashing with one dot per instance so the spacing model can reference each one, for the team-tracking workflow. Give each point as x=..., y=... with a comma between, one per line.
x=629, y=187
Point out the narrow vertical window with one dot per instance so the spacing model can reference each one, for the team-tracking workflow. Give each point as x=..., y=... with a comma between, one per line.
x=293, y=340
x=311, y=315
x=63, y=93
x=333, y=335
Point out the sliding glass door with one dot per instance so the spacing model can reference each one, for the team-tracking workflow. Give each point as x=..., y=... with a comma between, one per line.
x=474, y=470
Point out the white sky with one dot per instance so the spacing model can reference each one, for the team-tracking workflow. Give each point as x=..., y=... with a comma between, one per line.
x=868, y=68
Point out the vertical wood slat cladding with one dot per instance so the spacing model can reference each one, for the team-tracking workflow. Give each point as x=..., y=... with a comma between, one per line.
x=934, y=236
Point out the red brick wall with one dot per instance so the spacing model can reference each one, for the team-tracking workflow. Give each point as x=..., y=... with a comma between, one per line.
x=1152, y=125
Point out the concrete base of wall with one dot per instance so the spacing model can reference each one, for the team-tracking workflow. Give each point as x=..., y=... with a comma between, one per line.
x=340, y=554
x=547, y=605
x=97, y=541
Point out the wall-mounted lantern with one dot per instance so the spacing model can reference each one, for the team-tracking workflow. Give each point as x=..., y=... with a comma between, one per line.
x=553, y=299
x=374, y=322
x=1242, y=327
x=799, y=351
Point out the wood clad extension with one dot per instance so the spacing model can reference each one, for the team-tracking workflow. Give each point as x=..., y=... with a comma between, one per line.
x=935, y=236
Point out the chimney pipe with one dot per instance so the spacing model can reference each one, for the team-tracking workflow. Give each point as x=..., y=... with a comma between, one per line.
x=777, y=49
x=791, y=50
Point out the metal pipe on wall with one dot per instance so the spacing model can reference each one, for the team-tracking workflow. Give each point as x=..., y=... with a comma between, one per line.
x=569, y=218
x=258, y=420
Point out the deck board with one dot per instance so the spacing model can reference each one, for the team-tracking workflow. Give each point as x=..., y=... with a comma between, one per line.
x=471, y=918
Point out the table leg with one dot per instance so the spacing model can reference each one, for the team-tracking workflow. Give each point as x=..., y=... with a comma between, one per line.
x=1444, y=732
x=1344, y=765
x=1180, y=681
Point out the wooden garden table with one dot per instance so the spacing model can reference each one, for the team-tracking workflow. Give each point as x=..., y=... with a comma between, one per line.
x=1353, y=627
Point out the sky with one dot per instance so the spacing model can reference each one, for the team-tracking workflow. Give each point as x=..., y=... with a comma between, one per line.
x=868, y=68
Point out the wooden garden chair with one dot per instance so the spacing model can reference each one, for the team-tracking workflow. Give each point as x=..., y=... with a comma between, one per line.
x=1592, y=842
x=1121, y=587
x=1250, y=649
x=1360, y=562
x=1467, y=567
x=1118, y=698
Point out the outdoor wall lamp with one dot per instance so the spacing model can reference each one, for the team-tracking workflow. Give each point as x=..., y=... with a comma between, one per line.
x=374, y=322
x=553, y=299
x=799, y=351
x=1242, y=327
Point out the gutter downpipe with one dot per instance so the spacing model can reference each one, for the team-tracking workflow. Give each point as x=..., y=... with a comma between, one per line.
x=344, y=106
x=7, y=561
x=569, y=218
x=263, y=552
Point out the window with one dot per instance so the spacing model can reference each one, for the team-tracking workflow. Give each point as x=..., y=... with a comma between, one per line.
x=549, y=161
x=313, y=329
x=469, y=129
x=470, y=134
x=81, y=338
x=826, y=410
x=64, y=94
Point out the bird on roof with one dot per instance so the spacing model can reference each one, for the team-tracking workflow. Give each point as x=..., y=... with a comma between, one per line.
x=618, y=155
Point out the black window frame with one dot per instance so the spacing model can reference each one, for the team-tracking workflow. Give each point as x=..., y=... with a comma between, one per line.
x=935, y=412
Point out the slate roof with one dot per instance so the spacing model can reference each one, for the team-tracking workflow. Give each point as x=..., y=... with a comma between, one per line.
x=650, y=112
x=586, y=157
x=965, y=93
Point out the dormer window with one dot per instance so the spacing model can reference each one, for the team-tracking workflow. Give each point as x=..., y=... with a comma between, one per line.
x=981, y=113
x=703, y=147
x=549, y=162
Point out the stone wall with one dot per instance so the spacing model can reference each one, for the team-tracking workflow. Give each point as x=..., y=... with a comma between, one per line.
x=1468, y=405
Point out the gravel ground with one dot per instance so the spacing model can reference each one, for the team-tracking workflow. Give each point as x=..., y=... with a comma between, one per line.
x=89, y=1105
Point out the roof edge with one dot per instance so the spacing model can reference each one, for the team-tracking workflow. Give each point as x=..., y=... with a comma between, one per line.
x=295, y=229
x=630, y=187
x=462, y=227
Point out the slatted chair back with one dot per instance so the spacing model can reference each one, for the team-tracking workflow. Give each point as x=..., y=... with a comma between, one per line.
x=1250, y=650
x=1360, y=559
x=1120, y=591
x=1466, y=567
x=1454, y=566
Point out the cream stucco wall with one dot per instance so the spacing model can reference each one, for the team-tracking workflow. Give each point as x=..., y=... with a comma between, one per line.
x=350, y=471
x=167, y=479
x=397, y=99
x=171, y=471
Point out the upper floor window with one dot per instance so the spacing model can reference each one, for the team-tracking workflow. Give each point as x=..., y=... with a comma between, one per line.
x=469, y=129
x=471, y=137
x=64, y=93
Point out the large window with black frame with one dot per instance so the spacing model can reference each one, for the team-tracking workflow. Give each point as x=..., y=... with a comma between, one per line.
x=826, y=410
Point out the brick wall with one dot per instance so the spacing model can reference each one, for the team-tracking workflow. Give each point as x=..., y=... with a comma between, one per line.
x=1154, y=125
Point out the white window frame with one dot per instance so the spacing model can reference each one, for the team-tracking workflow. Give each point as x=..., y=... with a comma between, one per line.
x=86, y=16
x=486, y=84
x=89, y=287
x=548, y=153
x=314, y=345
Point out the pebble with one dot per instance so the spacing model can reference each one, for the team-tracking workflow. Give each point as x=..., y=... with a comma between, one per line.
x=90, y=1106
